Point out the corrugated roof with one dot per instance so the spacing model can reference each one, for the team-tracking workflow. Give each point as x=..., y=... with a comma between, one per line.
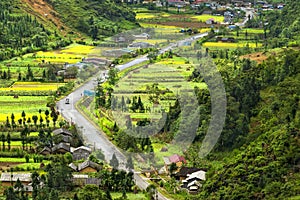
x=198, y=175
x=81, y=148
x=88, y=163
x=62, y=131
x=23, y=177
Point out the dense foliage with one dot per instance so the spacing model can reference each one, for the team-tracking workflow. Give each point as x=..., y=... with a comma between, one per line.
x=283, y=26
x=22, y=33
x=96, y=18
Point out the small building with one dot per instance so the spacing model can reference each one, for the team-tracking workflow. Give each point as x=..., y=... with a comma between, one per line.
x=210, y=21
x=228, y=17
x=79, y=179
x=177, y=159
x=73, y=167
x=81, y=152
x=62, y=131
x=183, y=173
x=140, y=45
x=176, y=3
x=194, y=181
x=45, y=151
x=96, y=61
x=61, y=148
x=225, y=39
x=88, y=166
x=9, y=179
x=143, y=36
x=149, y=172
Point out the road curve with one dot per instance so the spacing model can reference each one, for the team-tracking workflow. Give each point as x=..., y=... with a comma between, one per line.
x=93, y=135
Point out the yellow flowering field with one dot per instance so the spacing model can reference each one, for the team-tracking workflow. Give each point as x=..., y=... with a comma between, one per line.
x=144, y=15
x=203, y=18
x=78, y=49
x=30, y=86
x=230, y=45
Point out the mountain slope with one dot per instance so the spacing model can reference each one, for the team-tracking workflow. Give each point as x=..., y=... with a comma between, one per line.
x=31, y=25
x=96, y=18
x=45, y=13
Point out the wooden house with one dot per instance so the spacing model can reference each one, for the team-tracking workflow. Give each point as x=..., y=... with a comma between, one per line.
x=9, y=179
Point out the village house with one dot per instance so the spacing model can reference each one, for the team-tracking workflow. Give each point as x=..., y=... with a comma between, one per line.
x=9, y=179
x=225, y=39
x=81, y=152
x=193, y=182
x=84, y=179
x=177, y=3
x=62, y=135
x=183, y=173
x=62, y=131
x=143, y=36
x=46, y=151
x=86, y=167
x=177, y=159
x=96, y=61
x=61, y=148
x=228, y=17
x=140, y=45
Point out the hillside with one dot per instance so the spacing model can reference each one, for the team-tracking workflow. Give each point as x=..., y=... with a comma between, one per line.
x=31, y=25
x=267, y=165
x=94, y=18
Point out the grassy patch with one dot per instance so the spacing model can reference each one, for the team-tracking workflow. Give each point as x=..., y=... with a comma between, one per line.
x=131, y=196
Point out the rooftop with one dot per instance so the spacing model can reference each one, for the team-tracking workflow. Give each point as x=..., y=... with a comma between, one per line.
x=23, y=177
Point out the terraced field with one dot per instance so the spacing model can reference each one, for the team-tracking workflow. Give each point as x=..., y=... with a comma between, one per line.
x=169, y=75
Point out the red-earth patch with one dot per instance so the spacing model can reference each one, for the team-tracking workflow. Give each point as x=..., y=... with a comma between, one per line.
x=259, y=57
x=7, y=165
x=45, y=12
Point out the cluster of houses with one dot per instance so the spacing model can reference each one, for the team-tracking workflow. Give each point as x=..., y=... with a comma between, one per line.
x=63, y=146
x=190, y=178
x=9, y=179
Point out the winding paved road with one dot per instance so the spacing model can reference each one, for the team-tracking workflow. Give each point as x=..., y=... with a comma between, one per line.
x=93, y=135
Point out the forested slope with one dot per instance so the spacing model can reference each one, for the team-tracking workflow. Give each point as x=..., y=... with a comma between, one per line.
x=267, y=165
x=30, y=25
x=21, y=33
x=96, y=18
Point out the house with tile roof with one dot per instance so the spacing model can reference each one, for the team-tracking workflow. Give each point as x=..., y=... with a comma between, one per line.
x=177, y=159
x=194, y=181
x=9, y=179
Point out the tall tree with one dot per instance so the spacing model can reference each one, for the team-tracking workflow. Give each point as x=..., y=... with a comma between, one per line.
x=114, y=162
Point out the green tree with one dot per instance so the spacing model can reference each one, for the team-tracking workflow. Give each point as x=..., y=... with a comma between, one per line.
x=8, y=141
x=3, y=141
x=90, y=192
x=114, y=162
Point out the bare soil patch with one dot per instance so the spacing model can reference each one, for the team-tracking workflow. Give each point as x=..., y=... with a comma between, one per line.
x=45, y=12
x=259, y=57
x=7, y=165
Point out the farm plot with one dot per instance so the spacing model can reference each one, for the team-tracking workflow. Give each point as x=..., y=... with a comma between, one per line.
x=203, y=18
x=230, y=45
x=29, y=104
x=29, y=86
x=157, y=86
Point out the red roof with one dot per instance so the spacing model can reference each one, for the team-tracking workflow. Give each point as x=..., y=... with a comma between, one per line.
x=177, y=158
